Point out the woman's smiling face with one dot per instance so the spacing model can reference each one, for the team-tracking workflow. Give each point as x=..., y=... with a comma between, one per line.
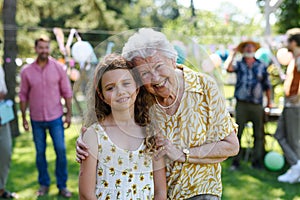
x=157, y=73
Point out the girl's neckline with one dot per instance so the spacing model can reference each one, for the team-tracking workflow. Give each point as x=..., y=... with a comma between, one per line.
x=140, y=147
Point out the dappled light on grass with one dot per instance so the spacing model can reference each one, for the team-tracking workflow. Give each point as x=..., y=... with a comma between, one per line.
x=278, y=192
x=252, y=184
x=270, y=142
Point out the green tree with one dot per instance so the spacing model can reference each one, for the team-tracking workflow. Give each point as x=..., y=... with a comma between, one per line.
x=95, y=20
x=267, y=8
x=221, y=27
x=90, y=17
x=150, y=13
x=139, y=14
x=288, y=15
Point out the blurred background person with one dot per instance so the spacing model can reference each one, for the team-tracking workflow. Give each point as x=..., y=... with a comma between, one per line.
x=252, y=81
x=43, y=84
x=288, y=128
x=5, y=146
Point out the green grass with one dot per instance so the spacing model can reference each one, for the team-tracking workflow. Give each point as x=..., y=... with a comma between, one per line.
x=23, y=173
x=245, y=184
x=252, y=184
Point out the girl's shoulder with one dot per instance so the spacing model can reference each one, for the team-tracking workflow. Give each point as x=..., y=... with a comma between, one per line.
x=96, y=127
x=93, y=132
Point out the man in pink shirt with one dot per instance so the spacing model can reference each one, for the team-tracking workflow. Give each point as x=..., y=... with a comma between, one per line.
x=43, y=84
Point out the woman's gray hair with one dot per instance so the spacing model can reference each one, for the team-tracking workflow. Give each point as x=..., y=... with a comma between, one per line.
x=145, y=43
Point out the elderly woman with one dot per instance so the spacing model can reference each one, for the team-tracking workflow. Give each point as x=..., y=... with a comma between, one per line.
x=197, y=130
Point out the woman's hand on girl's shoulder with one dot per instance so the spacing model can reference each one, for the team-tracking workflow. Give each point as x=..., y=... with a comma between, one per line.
x=81, y=147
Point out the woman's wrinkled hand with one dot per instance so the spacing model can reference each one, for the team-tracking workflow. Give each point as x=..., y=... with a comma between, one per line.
x=81, y=147
x=167, y=148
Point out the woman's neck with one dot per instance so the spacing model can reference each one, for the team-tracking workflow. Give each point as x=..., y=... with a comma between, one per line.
x=179, y=93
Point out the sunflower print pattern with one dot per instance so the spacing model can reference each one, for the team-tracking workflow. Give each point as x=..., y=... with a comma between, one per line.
x=122, y=174
x=201, y=118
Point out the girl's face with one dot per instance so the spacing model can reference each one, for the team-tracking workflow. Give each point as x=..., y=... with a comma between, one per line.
x=119, y=89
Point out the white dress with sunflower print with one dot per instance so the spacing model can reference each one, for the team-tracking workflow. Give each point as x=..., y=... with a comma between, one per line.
x=122, y=174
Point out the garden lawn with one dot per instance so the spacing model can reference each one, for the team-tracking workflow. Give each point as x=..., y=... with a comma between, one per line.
x=23, y=173
x=245, y=184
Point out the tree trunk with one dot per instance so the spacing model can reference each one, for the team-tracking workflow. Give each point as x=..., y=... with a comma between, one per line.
x=193, y=8
x=268, y=9
x=10, y=54
x=267, y=18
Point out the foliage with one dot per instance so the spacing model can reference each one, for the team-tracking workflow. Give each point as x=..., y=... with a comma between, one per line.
x=99, y=19
x=210, y=28
x=39, y=17
x=150, y=13
x=139, y=14
x=94, y=19
x=288, y=15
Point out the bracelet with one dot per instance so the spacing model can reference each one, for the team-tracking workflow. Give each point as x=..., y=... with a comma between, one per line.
x=187, y=155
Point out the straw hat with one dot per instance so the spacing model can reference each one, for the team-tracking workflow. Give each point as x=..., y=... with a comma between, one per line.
x=241, y=46
x=293, y=31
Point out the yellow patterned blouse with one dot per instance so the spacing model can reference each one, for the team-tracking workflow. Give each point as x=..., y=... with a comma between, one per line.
x=201, y=118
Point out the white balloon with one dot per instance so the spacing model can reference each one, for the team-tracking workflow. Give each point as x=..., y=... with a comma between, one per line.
x=284, y=57
x=82, y=51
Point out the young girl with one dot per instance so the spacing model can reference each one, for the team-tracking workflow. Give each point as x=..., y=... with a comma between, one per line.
x=119, y=138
